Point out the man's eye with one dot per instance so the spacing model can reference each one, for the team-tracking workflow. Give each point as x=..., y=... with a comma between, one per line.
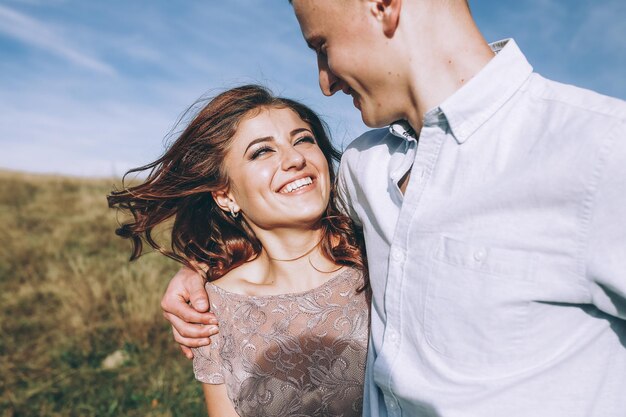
x=260, y=151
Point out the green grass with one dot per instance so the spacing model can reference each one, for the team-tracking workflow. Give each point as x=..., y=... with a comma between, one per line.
x=69, y=297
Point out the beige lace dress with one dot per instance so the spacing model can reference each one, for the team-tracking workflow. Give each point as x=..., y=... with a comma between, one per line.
x=299, y=354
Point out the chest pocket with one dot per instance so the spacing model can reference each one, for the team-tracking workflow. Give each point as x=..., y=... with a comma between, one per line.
x=477, y=304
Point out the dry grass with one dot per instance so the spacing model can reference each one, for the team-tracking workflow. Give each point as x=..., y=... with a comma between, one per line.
x=69, y=298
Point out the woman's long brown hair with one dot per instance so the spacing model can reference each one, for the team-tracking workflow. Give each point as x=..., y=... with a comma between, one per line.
x=179, y=186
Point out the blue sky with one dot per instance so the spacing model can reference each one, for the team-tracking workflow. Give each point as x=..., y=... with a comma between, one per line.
x=92, y=87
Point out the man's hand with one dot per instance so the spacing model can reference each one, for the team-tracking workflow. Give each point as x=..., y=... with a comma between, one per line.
x=185, y=304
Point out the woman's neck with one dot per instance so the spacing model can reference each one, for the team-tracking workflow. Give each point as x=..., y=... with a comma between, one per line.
x=292, y=260
x=288, y=244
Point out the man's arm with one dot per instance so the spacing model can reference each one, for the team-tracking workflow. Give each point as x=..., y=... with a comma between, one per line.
x=185, y=304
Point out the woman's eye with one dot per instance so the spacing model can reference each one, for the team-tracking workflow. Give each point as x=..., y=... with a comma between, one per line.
x=260, y=151
x=306, y=139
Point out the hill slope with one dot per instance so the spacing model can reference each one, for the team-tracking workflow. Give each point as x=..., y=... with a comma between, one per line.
x=69, y=298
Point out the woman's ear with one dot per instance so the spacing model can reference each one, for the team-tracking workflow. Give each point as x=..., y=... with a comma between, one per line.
x=225, y=200
x=388, y=13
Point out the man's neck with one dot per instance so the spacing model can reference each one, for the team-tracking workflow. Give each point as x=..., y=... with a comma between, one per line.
x=443, y=63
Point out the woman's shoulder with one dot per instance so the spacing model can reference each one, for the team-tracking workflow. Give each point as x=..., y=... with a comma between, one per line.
x=236, y=285
x=227, y=284
x=235, y=281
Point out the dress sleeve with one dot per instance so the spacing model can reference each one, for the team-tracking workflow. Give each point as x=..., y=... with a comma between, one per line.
x=606, y=251
x=207, y=360
x=207, y=363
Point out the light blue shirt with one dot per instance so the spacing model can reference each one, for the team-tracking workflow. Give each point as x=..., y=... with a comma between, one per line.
x=499, y=278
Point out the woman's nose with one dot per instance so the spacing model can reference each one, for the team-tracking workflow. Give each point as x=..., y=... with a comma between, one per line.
x=293, y=159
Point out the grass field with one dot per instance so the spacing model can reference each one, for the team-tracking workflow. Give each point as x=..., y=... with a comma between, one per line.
x=69, y=299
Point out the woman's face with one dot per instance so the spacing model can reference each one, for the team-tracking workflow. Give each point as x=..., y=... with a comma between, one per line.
x=278, y=175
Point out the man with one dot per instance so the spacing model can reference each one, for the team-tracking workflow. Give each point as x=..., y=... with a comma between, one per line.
x=491, y=213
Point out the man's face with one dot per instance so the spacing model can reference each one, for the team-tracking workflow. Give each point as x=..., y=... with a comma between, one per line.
x=351, y=55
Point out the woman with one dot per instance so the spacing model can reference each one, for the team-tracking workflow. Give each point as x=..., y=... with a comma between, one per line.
x=250, y=188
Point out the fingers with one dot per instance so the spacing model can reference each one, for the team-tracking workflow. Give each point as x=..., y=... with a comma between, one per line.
x=185, y=304
x=197, y=294
x=180, y=309
x=192, y=330
x=186, y=351
x=188, y=342
x=184, y=288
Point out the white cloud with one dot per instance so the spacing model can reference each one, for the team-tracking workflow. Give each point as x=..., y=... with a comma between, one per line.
x=45, y=132
x=36, y=33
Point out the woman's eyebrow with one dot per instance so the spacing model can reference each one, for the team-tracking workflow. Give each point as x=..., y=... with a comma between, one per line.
x=259, y=140
x=298, y=130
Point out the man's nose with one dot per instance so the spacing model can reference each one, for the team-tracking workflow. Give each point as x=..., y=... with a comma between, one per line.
x=329, y=82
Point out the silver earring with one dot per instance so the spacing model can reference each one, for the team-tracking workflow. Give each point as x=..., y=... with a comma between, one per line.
x=234, y=214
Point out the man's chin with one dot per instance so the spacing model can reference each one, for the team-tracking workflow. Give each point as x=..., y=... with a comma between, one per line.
x=374, y=122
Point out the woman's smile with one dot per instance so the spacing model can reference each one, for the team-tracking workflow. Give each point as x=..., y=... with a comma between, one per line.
x=298, y=186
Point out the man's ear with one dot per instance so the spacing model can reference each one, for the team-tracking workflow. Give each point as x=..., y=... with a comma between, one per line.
x=388, y=13
x=225, y=200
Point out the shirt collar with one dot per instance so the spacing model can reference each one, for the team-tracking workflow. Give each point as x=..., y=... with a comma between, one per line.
x=478, y=100
x=402, y=129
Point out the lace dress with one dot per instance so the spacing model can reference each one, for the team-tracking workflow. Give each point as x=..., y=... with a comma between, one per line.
x=299, y=354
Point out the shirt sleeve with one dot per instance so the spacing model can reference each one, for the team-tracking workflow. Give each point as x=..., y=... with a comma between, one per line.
x=343, y=190
x=606, y=251
x=207, y=363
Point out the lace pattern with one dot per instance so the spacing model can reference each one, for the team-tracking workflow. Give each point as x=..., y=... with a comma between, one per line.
x=290, y=355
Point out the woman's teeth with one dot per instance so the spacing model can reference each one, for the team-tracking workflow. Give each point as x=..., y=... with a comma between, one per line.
x=297, y=184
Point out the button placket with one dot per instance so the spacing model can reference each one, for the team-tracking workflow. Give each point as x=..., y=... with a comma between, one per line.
x=397, y=254
x=391, y=402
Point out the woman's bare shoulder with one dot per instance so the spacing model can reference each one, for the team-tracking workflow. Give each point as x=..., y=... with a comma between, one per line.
x=239, y=280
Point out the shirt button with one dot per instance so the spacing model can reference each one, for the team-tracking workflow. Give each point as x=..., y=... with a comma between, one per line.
x=393, y=336
x=392, y=404
x=479, y=255
x=397, y=254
